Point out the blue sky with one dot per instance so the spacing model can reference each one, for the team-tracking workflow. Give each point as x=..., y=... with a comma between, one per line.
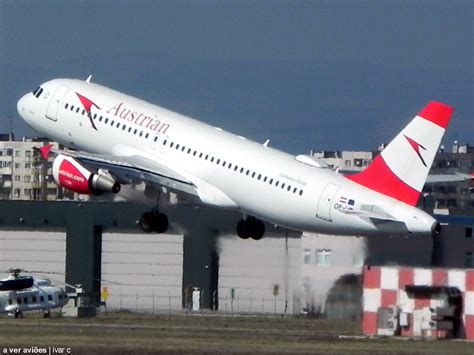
x=306, y=74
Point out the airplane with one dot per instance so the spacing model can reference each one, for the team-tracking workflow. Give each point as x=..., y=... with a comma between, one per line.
x=117, y=142
x=19, y=294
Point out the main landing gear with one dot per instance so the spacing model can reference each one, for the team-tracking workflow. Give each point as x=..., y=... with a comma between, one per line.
x=250, y=228
x=153, y=221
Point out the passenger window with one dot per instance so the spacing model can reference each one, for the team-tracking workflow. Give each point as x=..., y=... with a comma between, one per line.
x=207, y=156
x=177, y=146
x=171, y=144
x=253, y=174
x=194, y=153
x=241, y=170
x=247, y=173
x=106, y=120
x=301, y=192
x=135, y=131
x=124, y=127
x=141, y=134
x=18, y=301
x=95, y=116
x=10, y=301
x=277, y=183
x=118, y=125
x=155, y=139
x=265, y=179
x=72, y=108
x=289, y=188
x=283, y=185
x=50, y=298
x=223, y=163
x=259, y=176
x=271, y=181
x=100, y=119
x=236, y=168
x=230, y=166
x=112, y=122
x=77, y=109
x=129, y=129
x=65, y=106
x=25, y=300
x=183, y=148
x=34, y=299
x=147, y=135
x=83, y=112
x=41, y=299
x=294, y=190
x=212, y=159
x=200, y=155
x=218, y=161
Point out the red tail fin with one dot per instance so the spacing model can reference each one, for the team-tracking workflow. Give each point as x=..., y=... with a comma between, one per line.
x=400, y=171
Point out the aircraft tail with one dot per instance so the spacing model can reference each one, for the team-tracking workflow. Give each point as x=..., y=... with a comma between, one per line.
x=401, y=169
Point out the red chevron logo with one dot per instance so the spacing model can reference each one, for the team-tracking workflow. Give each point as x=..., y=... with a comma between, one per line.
x=416, y=146
x=87, y=104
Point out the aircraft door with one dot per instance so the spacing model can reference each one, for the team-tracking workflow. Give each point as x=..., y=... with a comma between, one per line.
x=55, y=102
x=326, y=202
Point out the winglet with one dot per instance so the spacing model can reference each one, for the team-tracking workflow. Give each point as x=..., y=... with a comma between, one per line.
x=45, y=150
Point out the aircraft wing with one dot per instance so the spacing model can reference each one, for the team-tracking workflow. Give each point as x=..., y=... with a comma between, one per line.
x=131, y=166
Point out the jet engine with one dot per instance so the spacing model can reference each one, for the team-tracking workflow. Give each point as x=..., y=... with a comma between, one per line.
x=72, y=175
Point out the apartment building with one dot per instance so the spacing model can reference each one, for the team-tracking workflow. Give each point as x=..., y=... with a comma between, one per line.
x=24, y=175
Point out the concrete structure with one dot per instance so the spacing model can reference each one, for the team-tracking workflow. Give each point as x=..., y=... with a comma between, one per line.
x=345, y=160
x=325, y=258
x=260, y=276
x=418, y=302
x=452, y=195
x=201, y=263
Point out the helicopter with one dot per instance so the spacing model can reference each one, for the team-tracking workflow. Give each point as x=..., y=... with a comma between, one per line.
x=19, y=294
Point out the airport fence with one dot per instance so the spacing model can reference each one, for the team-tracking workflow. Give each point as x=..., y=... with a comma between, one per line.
x=339, y=305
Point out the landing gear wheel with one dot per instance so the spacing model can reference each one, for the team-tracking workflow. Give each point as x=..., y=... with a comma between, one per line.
x=18, y=314
x=161, y=223
x=258, y=230
x=153, y=222
x=243, y=229
x=251, y=228
x=146, y=222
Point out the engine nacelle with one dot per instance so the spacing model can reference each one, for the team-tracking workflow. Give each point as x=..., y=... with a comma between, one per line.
x=72, y=175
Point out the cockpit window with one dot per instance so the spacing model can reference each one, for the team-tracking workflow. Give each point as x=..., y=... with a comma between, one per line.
x=38, y=91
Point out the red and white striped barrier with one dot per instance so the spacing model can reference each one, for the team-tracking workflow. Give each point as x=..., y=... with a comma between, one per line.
x=386, y=286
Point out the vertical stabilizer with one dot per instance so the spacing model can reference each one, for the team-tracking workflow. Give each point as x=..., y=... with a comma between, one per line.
x=401, y=169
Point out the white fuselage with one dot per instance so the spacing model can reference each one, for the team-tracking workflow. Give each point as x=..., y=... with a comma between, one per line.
x=257, y=180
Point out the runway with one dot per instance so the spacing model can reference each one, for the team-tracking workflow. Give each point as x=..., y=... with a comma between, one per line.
x=128, y=333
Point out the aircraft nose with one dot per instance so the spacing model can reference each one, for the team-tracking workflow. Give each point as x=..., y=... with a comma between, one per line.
x=20, y=105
